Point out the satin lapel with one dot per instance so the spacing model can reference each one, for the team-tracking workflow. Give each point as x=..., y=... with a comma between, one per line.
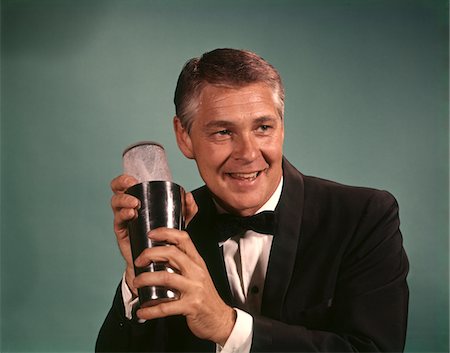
x=200, y=231
x=283, y=254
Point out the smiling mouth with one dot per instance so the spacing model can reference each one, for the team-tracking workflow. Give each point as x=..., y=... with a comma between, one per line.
x=244, y=176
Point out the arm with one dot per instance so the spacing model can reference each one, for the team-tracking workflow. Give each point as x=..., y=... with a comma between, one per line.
x=207, y=315
x=369, y=308
x=118, y=333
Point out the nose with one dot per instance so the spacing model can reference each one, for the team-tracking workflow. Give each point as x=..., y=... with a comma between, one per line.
x=245, y=148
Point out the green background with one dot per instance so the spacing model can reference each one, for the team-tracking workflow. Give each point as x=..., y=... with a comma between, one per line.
x=366, y=104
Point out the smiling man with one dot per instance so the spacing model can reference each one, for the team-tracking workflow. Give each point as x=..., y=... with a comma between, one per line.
x=236, y=140
x=271, y=259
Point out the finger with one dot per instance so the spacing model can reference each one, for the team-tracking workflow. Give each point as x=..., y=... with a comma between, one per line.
x=170, y=254
x=191, y=207
x=121, y=219
x=119, y=201
x=167, y=280
x=162, y=279
x=125, y=209
x=122, y=182
x=170, y=308
x=178, y=238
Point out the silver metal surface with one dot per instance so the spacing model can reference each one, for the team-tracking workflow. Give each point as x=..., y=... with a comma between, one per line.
x=162, y=204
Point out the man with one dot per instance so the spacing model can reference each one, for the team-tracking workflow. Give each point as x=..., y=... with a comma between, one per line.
x=328, y=275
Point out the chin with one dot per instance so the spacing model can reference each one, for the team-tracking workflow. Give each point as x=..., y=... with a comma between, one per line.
x=242, y=208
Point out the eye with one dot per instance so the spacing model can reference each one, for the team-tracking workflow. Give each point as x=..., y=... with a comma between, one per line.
x=224, y=132
x=221, y=135
x=264, y=128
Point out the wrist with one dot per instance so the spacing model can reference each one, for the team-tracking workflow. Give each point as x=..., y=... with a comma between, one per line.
x=228, y=324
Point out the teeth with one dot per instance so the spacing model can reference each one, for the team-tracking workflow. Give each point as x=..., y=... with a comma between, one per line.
x=244, y=175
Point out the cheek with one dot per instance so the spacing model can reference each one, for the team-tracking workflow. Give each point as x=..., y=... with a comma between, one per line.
x=272, y=151
x=209, y=163
x=213, y=157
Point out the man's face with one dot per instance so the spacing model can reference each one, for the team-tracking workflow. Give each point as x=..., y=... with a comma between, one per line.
x=236, y=139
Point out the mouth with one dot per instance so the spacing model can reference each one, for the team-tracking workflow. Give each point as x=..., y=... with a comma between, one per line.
x=244, y=176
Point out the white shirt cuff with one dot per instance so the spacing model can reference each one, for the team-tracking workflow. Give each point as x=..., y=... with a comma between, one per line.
x=128, y=301
x=240, y=340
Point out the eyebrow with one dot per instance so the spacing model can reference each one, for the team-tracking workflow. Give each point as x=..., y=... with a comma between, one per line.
x=218, y=123
x=227, y=123
x=264, y=119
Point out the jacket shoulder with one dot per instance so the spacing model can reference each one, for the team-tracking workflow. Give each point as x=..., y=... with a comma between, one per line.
x=331, y=192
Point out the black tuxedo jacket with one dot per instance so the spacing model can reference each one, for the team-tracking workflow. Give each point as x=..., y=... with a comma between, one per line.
x=336, y=278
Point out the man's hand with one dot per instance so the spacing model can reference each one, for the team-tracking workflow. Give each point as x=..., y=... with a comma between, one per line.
x=125, y=208
x=208, y=317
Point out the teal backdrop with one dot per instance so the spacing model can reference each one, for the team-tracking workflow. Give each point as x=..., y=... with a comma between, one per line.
x=366, y=104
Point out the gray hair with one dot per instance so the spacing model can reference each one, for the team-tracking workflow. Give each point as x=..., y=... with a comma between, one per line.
x=223, y=67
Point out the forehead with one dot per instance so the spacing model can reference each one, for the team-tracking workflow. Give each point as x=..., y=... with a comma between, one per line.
x=249, y=98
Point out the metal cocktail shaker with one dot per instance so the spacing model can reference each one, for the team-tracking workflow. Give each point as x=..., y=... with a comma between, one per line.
x=162, y=204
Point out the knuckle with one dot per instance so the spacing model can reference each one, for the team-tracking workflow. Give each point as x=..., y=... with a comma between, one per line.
x=115, y=184
x=200, y=262
x=163, y=309
x=172, y=251
x=120, y=227
x=122, y=182
x=184, y=237
x=112, y=184
x=197, y=302
x=117, y=226
x=146, y=254
x=165, y=277
x=114, y=201
x=126, y=214
x=202, y=277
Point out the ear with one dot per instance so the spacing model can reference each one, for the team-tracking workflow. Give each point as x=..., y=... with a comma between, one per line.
x=183, y=139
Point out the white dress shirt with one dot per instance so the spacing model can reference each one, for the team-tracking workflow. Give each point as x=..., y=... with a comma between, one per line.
x=246, y=258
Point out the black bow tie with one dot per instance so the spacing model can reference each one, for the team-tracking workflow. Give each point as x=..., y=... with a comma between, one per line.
x=228, y=225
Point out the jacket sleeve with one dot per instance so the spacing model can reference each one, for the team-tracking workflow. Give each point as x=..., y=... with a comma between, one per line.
x=118, y=334
x=368, y=312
